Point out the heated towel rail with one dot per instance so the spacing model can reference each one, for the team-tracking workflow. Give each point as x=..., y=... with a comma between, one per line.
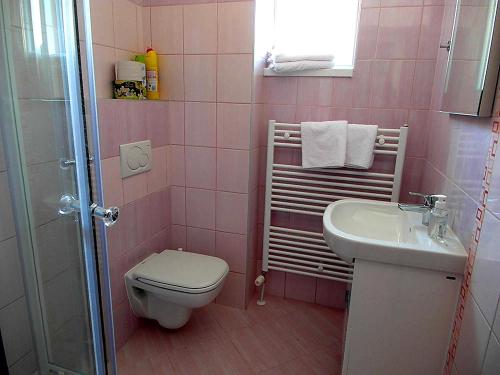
x=292, y=189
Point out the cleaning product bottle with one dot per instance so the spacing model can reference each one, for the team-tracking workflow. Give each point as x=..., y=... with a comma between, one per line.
x=153, y=83
x=438, y=221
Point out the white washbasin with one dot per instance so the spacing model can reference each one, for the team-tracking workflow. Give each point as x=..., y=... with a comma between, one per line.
x=380, y=231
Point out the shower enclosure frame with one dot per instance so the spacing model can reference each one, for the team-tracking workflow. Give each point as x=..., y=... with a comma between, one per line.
x=98, y=291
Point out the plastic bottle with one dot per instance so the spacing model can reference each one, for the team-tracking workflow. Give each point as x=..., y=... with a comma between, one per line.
x=438, y=221
x=152, y=77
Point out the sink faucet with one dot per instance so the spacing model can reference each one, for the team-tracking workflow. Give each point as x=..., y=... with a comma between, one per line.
x=424, y=208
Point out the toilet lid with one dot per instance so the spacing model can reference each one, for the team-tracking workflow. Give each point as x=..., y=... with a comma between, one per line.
x=182, y=269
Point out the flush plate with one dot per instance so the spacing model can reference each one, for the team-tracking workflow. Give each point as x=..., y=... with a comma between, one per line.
x=135, y=158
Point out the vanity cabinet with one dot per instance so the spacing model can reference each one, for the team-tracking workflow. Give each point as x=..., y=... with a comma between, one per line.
x=400, y=319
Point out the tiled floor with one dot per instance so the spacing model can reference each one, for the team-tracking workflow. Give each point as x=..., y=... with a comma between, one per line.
x=281, y=338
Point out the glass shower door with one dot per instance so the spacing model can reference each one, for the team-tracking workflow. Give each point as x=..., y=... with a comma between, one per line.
x=47, y=195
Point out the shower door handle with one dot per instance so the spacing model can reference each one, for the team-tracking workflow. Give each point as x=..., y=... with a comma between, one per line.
x=108, y=215
x=69, y=204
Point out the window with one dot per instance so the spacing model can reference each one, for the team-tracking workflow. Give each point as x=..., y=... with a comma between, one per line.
x=317, y=27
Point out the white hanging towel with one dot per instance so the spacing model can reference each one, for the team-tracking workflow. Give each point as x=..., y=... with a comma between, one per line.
x=360, y=145
x=323, y=144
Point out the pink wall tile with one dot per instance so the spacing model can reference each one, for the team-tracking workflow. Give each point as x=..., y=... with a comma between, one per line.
x=121, y=54
x=234, y=78
x=367, y=33
x=132, y=114
x=104, y=58
x=200, y=28
x=157, y=124
x=370, y=3
x=171, y=73
x=176, y=166
x=115, y=241
x=232, y=211
x=418, y=123
x=233, y=170
x=354, y=91
x=430, y=33
x=315, y=91
x=201, y=241
x=144, y=28
x=280, y=90
x=233, y=293
x=200, y=77
x=400, y=3
x=300, y=287
x=412, y=178
x=166, y=29
x=128, y=224
x=159, y=242
x=143, y=219
x=124, y=323
x=232, y=248
x=201, y=167
x=175, y=122
x=160, y=210
x=313, y=113
x=112, y=132
x=389, y=118
x=422, y=84
x=330, y=293
x=178, y=204
x=253, y=182
x=112, y=182
x=391, y=83
x=275, y=283
x=125, y=18
x=157, y=177
x=134, y=187
x=278, y=112
x=101, y=13
x=236, y=27
x=201, y=124
x=233, y=125
x=178, y=233
x=257, y=125
x=200, y=208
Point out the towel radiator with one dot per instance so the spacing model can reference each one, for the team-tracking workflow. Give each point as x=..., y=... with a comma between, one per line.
x=295, y=190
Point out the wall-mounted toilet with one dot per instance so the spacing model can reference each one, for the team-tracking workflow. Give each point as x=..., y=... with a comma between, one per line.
x=166, y=287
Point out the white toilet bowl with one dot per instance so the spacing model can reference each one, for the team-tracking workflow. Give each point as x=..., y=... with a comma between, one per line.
x=166, y=287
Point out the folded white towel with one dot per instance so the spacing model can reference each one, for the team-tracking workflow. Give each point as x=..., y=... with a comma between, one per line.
x=323, y=144
x=296, y=66
x=360, y=145
x=284, y=57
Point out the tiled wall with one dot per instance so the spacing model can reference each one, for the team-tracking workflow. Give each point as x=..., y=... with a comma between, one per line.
x=118, y=29
x=455, y=163
x=391, y=86
x=198, y=193
x=206, y=54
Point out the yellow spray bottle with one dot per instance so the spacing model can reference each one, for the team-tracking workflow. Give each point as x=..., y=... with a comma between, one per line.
x=152, y=77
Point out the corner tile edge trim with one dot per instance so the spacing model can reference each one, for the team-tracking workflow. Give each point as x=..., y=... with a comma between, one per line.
x=476, y=234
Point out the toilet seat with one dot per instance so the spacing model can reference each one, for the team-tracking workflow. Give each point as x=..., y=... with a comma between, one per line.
x=181, y=271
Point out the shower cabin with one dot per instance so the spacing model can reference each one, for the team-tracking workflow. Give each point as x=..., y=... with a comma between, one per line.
x=55, y=314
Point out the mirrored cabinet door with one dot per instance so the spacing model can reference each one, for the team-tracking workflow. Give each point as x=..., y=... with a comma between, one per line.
x=473, y=61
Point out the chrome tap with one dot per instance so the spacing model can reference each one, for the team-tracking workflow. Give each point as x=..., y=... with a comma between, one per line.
x=424, y=208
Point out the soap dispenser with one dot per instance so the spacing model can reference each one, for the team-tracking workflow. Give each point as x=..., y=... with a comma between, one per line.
x=438, y=221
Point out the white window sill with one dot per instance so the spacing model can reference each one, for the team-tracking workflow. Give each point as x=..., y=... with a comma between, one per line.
x=333, y=72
